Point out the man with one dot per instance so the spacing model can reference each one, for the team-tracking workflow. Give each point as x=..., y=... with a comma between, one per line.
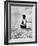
x=23, y=23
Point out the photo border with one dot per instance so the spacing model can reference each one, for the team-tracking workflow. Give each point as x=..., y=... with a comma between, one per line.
x=6, y=14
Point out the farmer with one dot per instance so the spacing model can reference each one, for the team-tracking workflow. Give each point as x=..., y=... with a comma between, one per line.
x=23, y=23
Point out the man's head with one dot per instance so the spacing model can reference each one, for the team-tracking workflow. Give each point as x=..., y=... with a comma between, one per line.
x=24, y=16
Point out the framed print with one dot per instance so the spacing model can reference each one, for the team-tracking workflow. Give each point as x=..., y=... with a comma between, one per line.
x=20, y=22
x=37, y=22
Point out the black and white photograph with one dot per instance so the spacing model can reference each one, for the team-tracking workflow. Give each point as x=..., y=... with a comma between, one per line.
x=20, y=22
